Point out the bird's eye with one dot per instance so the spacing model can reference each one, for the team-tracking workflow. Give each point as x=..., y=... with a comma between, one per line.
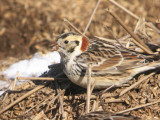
x=66, y=41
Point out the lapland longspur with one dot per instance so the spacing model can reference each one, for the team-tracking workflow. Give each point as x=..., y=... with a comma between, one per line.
x=111, y=64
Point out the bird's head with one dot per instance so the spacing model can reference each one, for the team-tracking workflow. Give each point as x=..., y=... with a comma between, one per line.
x=71, y=44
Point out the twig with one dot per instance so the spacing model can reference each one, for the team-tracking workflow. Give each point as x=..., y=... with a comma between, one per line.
x=90, y=20
x=35, y=78
x=106, y=39
x=151, y=25
x=128, y=44
x=136, y=40
x=134, y=16
x=135, y=84
x=124, y=9
x=102, y=103
x=94, y=105
x=39, y=116
x=15, y=81
x=124, y=37
x=92, y=97
x=6, y=94
x=154, y=93
x=60, y=99
x=61, y=92
x=68, y=112
x=21, y=98
x=53, y=100
x=88, y=89
x=92, y=86
x=11, y=87
x=104, y=91
x=76, y=29
x=114, y=36
x=113, y=100
x=113, y=40
x=137, y=107
x=40, y=78
x=50, y=97
x=38, y=104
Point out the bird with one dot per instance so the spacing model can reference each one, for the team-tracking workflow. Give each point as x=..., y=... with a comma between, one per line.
x=106, y=115
x=111, y=64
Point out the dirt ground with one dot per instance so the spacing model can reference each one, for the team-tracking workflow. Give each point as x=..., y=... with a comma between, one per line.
x=31, y=26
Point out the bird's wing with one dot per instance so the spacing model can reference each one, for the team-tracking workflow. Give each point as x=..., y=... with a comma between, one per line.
x=106, y=57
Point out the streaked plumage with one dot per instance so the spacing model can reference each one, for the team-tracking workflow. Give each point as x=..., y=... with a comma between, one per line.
x=111, y=64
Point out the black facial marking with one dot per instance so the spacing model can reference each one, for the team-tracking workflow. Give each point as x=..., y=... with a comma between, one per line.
x=77, y=42
x=66, y=41
x=64, y=35
x=71, y=50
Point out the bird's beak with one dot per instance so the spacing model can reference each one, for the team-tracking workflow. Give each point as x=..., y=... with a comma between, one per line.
x=54, y=46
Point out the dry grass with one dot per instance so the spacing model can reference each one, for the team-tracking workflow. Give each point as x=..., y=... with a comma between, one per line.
x=35, y=24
